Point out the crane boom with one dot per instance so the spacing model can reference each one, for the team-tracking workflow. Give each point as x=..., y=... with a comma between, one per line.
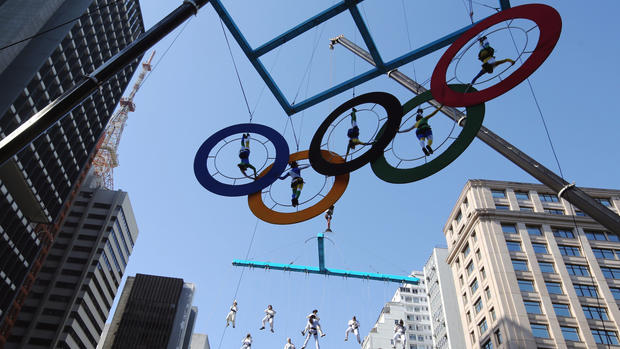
x=106, y=158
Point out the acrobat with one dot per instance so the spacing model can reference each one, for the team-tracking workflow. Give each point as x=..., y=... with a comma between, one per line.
x=297, y=183
x=353, y=326
x=312, y=329
x=289, y=344
x=423, y=131
x=486, y=55
x=269, y=315
x=353, y=133
x=399, y=334
x=244, y=155
x=313, y=323
x=246, y=342
x=328, y=216
x=232, y=314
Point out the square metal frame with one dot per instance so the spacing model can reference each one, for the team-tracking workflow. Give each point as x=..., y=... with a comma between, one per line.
x=254, y=54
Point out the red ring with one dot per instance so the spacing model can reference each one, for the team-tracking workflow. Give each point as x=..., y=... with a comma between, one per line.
x=549, y=23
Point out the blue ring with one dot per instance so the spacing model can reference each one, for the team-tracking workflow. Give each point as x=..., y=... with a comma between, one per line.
x=208, y=182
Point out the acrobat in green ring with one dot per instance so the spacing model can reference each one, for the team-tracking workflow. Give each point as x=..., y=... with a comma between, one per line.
x=475, y=116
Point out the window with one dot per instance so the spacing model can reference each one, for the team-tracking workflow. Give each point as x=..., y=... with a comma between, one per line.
x=487, y=345
x=605, y=337
x=466, y=251
x=470, y=267
x=487, y=293
x=554, y=211
x=569, y=250
x=611, y=273
x=595, y=235
x=540, y=330
x=478, y=305
x=561, y=309
x=548, y=198
x=616, y=292
x=526, y=285
x=595, y=313
x=458, y=217
x=586, y=291
x=472, y=336
x=461, y=280
x=580, y=213
x=468, y=316
x=520, y=265
x=563, y=233
x=465, y=298
x=498, y=194
x=604, y=253
x=482, y=326
x=492, y=311
x=526, y=209
x=514, y=246
x=509, y=228
x=540, y=248
x=521, y=195
x=577, y=270
x=502, y=207
x=570, y=334
x=498, y=337
x=483, y=273
x=533, y=230
x=546, y=267
x=532, y=307
x=604, y=201
x=478, y=255
x=473, y=286
x=554, y=287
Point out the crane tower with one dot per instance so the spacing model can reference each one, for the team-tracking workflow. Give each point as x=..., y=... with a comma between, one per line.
x=106, y=158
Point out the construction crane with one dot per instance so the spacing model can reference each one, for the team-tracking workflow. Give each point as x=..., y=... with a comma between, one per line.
x=106, y=158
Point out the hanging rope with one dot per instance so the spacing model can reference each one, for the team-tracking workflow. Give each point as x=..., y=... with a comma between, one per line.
x=309, y=66
x=260, y=95
x=415, y=77
x=247, y=254
x=236, y=70
x=542, y=117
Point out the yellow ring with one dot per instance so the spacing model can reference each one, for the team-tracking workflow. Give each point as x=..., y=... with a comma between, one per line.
x=255, y=201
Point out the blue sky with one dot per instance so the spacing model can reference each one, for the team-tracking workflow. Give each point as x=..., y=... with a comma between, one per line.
x=188, y=232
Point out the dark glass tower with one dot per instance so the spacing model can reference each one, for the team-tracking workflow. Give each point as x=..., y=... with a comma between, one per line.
x=37, y=184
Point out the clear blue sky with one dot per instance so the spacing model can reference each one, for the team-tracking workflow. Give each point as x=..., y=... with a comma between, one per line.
x=188, y=232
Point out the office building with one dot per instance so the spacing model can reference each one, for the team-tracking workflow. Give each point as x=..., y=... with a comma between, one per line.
x=37, y=184
x=153, y=312
x=199, y=341
x=410, y=304
x=530, y=270
x=74, y=291
x=443, y=305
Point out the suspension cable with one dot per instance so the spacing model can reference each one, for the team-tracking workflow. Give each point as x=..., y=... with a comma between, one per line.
x=236, y=70
x=415, y=77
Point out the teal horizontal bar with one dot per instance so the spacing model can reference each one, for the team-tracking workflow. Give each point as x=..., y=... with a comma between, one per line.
x=327, y=271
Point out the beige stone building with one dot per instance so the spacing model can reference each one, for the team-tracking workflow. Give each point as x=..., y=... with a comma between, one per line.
x=531, y=271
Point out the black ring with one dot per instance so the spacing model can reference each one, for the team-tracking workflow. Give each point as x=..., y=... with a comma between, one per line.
x=394, y=111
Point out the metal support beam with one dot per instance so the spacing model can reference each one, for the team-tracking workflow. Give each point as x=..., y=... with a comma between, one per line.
x=321, y=246
x=48, y=116
x=327, y=271
x=363, y=29
x=504, y=4
x=572, y=194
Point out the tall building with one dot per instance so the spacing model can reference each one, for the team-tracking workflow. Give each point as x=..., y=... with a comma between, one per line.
x=199, y=341
x=531, y=271
x=37, y=184
x=410, y=304
x=73, y=294
x=443, y=304
x=153, y=312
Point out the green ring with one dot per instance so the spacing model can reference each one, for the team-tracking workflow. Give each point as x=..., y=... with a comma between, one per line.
x=475, y=116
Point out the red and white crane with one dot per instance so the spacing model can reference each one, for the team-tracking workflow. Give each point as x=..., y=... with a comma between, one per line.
x=106, y=158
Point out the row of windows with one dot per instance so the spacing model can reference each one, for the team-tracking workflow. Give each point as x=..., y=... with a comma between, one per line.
x=573, y=269
x=582, y=290
x=524, y=196
x=572, y=334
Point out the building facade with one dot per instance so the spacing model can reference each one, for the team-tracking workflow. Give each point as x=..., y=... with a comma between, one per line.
x=199, y=341
x=410, y=303
x=76, y=286
x=153, y=312
x=531, y=271
x=443, y=304
x=37, y=184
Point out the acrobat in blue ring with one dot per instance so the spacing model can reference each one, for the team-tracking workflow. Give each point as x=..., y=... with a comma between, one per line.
x=201, y=169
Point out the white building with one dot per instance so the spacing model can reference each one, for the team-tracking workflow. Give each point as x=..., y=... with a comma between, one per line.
x=445, y=318
x=410, y=303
